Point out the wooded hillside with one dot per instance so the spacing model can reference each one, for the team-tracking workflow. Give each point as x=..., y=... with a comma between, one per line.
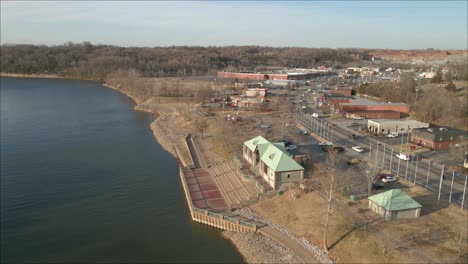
x=97, y=61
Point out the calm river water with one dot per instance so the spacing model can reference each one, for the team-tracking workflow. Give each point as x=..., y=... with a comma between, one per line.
x=84, y=180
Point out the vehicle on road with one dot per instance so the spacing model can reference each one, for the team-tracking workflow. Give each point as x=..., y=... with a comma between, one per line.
x=403, y=156
x=291, y=147
x=325, y=143
x=358, y=117
x=315, y=115
x=393, y=135
x=389, y=179
x=358, y=149
x=355, y=124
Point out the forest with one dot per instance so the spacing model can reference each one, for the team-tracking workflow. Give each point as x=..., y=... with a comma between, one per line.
x=85, y=60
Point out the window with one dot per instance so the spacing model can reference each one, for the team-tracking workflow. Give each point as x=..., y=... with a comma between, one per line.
x=288, y=175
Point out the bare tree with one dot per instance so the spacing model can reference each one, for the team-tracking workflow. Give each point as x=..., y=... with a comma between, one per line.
x=201, y=124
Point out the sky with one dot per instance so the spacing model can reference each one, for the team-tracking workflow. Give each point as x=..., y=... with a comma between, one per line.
x=314, y=24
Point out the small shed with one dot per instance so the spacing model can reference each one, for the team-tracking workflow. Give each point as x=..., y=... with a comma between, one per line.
x=394, y=204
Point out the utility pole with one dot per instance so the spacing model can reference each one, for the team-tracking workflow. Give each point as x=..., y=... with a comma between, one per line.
x=440, y=183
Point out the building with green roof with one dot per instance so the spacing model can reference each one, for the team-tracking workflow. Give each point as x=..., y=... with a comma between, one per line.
x=272, y=161
x=394, y=204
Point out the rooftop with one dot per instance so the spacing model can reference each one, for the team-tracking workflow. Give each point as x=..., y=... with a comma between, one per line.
x=274, y=155
x=363, y=101
x=404, y=122
x=395, y=200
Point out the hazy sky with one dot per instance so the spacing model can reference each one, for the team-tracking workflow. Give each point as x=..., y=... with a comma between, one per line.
x=340, y=24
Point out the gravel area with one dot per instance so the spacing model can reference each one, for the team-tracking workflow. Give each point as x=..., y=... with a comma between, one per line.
x=321, y=256
x=256, y=248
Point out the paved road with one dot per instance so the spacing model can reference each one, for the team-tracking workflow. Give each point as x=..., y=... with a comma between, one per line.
x=423, y=172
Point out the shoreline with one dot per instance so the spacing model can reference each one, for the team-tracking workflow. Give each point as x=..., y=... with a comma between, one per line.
x=47, y=76
x=248, y=245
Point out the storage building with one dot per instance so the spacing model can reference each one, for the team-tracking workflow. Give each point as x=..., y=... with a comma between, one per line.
x=394, y=204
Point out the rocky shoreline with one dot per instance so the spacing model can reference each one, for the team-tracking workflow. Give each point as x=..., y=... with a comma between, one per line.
x=257, y=248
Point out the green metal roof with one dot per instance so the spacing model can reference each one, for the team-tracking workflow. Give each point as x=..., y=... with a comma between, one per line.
x=394, y=200
x=254, y=142
x=274, y=155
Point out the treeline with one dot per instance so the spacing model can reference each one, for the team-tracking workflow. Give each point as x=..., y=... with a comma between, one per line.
x=432, y=103
x=98, y=61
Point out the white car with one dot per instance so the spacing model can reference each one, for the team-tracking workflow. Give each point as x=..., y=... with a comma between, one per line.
x=325, y=143
x=392, y=135
x=358, y=117
x=389, y=179
x=358, y=149
x=403, y=156
x=291, y=147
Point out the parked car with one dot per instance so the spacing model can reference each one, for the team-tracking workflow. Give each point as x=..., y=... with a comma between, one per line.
x=291, y=147
x=389, y=179
x=355, y=124
x=336, y=149
x=358, y=117
x=325, y=143
x=358, y=149
x=382, y=175
x=315, y=115
x=403, y=156
x=393, y=135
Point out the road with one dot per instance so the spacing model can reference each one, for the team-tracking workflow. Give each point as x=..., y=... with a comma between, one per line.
x=423, y=172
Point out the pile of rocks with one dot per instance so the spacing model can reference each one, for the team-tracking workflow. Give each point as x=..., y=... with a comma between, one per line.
x=257, y=248
x=321, y=256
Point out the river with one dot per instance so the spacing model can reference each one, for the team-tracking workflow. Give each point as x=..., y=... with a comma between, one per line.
x=84, y=180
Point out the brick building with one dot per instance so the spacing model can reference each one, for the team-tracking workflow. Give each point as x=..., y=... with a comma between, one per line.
x=438, y=137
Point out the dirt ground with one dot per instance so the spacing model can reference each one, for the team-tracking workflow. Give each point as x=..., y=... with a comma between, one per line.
x=431, y=238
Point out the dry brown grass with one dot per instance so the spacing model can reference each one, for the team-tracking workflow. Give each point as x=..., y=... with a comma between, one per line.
x=303, y=216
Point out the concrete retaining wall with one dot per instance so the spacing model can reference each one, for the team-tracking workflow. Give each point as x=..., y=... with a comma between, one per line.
x=214, y=219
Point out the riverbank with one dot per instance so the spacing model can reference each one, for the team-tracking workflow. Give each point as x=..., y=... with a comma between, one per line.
x=170, y=129
x=46, y=76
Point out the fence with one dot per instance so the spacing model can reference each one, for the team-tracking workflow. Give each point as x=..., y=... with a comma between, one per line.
x=449, y=186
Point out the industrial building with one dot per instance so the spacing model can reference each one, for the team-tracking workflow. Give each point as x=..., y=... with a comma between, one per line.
x=272, y=162
x=394, y=204
x=436, y=138
x=384, y=126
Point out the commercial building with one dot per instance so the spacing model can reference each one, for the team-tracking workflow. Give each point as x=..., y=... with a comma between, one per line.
x=394, y=204
x=272, y=162
x=361, y=104
x=438, y=137
x=383, y=114
x=285, y=74
x=384, y=126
